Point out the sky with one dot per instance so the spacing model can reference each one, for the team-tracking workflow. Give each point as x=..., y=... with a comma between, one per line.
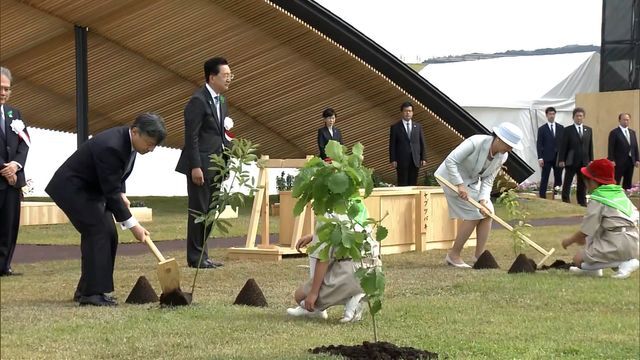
x=416, y=30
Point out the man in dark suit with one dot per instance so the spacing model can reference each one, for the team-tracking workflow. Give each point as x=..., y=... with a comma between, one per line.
x=406, y=147
x=204, y=135
x=623, y=150
x=14, y=146
x=576, y=151
x=90, y=188
x=549, y=136
x=328, y=131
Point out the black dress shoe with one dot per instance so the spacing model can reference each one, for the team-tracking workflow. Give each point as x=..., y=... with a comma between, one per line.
x=216, y=263
x=97, y=300
x=10, y=272
x=77, y=295
x=207, y=264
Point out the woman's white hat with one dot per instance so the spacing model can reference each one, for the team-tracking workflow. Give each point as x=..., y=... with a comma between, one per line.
x=510, y=134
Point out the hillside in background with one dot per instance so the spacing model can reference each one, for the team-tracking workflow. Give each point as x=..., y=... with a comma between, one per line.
x=546, y=51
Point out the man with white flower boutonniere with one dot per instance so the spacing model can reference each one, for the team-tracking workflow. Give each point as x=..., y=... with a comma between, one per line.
x=14, y=146
x=575, y=151
x=207, y=130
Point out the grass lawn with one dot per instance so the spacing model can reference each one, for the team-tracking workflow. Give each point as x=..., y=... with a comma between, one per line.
x=170, y=220
x=461, y=314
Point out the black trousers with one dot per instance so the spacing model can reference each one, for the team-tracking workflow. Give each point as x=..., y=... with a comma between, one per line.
x=407, y=175
x=624, y=170
x=199, y=200
x=581, y=192
x=98, y=239
x=544, y=178
x=9, y=225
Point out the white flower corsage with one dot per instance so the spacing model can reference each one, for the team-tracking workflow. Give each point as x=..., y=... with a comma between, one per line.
x=18, y=127
x=228, y=124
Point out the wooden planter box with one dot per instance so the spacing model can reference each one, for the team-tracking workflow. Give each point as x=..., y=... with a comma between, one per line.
x=286, y=219
x=47, y=213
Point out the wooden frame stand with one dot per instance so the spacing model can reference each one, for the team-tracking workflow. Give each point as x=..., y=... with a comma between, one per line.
x=260, y=217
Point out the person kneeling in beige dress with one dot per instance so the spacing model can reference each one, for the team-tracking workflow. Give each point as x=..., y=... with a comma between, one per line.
x=609, y=230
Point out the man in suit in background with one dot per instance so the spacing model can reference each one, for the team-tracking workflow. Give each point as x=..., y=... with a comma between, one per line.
x=549, y=136
x=406, y=147
x=203, y=135
x=623, y=150
x=328, y=131
x=90, y=188
x=576, y=151
x=14, y=146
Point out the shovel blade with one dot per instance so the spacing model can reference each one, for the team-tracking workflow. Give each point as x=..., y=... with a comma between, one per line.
x=169, y=275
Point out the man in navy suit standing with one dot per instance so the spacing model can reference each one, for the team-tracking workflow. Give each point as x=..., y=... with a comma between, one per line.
x=623, y=150
x=549, y=136
x=90, y=188
x=574, y=153
x=406, y=147
x=14, y=146
x=204, y=134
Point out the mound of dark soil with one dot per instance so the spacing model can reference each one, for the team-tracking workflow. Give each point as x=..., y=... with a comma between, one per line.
x=486, y=261
x=558, y=264
x=142, y=293
x=375, y=351
x=522, y=264
x=251, y=295
x=176, y=298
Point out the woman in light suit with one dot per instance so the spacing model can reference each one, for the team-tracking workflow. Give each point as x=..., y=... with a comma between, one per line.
x=472, y=167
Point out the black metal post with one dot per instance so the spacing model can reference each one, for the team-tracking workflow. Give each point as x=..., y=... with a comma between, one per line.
x=82, y=85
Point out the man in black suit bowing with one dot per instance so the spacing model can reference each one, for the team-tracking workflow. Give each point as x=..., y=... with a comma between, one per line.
x=549, y=135
x=576, y=151
x=14, y=146
x=90, y=188
x=623, y=150
x=328, y=131
x=406, y=147
x=204, y=135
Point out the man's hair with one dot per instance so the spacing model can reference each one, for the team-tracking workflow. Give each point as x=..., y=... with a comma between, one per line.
x=328, y=112
x=4, y=71
x=549, y=109
x=577, y=110
x=212, y=66
x=152, y=125
x=620, y=116
x=405, y=105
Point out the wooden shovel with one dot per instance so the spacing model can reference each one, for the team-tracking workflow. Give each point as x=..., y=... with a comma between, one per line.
x=168, y=272
x=502, y=222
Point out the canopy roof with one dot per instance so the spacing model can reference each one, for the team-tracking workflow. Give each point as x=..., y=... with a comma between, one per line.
x=291, y=59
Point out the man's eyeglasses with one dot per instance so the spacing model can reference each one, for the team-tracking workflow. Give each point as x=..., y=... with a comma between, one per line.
x=227, y=76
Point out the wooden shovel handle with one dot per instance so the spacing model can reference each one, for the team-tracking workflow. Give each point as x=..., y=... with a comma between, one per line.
x=153, y=248
x=495, y=217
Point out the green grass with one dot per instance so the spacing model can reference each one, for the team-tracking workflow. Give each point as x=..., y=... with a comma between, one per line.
x=170, y=220
x=461, y=314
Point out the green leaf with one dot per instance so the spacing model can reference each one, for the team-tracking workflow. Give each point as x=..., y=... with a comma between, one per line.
x=381, y=233
x=336, y=236
x=338, y=182
x=357, y=149
x=348, y=239
x=300, y=205
x=334, y=150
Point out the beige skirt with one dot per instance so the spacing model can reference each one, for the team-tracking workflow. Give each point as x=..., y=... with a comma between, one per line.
x=339, y=284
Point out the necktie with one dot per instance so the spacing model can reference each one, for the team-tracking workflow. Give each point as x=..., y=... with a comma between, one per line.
x=553, y=130
x=626, y=134
x=580, y=131
x=409, y=130
x=129, y=167
x=217, y=102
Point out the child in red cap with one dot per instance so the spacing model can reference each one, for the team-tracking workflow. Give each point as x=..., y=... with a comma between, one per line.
x=609, y=230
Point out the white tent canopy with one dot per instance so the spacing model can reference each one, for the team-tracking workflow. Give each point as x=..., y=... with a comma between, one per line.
x=518, y=89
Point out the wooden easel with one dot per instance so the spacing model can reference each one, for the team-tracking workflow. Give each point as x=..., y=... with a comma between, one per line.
x=260, y=217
